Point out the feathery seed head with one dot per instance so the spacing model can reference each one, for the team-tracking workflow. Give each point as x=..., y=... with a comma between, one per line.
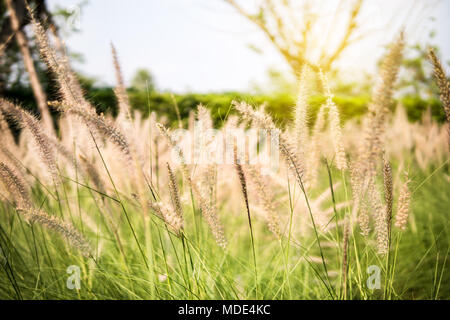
x=41, y=140
x=442, y=82
x=388, y=190
x=174, y=193
x=335, y=126
x=169, y=216
x=16, y=186
x=66, y=230
x=403, y=205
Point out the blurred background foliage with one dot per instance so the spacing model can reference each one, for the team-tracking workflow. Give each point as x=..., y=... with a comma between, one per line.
x=279, y=104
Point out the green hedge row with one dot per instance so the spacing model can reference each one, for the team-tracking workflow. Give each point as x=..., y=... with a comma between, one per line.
x=280, y=106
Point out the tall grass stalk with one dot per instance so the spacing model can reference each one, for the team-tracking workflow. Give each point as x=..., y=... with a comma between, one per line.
x=243, y=183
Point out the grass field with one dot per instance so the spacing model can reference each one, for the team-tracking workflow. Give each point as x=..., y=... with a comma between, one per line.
x=196, y=268
x=117, y=209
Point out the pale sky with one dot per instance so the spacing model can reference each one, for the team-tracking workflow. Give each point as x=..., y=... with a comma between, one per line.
x=202, y=45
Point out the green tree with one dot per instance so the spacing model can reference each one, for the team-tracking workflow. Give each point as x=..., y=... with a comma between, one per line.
x=292, y=26
x=417, y=78
x=143, y=81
